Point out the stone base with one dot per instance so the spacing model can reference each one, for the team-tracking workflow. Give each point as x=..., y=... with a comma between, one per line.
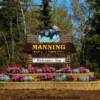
x=30, y=94
x=93, y=85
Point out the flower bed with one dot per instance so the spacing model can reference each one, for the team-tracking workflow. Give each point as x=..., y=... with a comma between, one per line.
x=47, y=73
x=47, y=69
x=48, y=77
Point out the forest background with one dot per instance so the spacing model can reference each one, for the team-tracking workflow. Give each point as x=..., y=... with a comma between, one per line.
x=79, y=18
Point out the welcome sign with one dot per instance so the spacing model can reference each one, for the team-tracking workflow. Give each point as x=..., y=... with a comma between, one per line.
x=46, y=47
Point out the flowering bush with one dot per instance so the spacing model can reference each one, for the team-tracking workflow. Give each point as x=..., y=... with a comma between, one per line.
x=18, y=77
x=66, y=69
x=64, y=78
x=39, y=70
x=28, y=78
x=87, y=70
x=81, y=69
x=32, y=69
x=4, y=77
x=58, y=71
x=60, y=78
x=14, y=69
x=75, y=70
x=84, y=78
x=92, y=77
x=74, y=77
x=47, y=69
x=69, y=78
x=46, y=76
x=24, y=70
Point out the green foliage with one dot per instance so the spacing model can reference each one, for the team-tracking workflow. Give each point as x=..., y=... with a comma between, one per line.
x=62, y=20
x=12, y=36
x=75, y=62
x=92, y=38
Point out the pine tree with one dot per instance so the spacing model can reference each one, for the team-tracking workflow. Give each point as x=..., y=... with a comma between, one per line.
x=12, y=31
x=92, y=39
x=45, y=16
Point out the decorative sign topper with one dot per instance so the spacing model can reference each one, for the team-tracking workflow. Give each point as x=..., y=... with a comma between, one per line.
x=49, y=35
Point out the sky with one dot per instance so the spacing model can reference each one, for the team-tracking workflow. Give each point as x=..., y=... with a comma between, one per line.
x=63, y=3
x=37, y=1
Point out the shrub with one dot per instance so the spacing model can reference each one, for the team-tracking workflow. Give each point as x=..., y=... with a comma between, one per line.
x=46, y=77
x=18, y=77
x=14, y=69
x=4, y=77
x=66, y=69
x=32, y=69
x=47, y=69
x=81, y=69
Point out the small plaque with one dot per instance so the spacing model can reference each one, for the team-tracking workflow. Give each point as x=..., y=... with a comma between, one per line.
x=49, y=60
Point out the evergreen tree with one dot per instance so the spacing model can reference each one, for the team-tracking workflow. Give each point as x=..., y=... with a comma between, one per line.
x=12, y=31
x=92, y=38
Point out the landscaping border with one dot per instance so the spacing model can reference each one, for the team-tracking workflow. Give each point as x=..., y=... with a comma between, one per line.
x=93, y=85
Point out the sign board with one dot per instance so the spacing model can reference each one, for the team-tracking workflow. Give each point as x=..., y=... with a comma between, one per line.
x=46, y=47
x=49, y=60
x=49, y=47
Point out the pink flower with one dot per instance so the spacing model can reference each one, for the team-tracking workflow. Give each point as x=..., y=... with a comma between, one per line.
x=48, y=69
x=66, y=69
x=32, y=69
x=52, y=69
x=18, y=77
x=81, y=69
x=14, y=69
x=2, y=75
x=91, y=75
x=48, y=76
